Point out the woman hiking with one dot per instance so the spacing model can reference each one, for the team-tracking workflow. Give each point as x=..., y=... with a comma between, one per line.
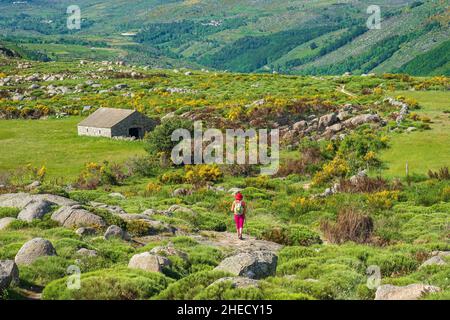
x=239, y=208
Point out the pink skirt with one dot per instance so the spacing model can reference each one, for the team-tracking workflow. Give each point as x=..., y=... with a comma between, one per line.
x=239, y=219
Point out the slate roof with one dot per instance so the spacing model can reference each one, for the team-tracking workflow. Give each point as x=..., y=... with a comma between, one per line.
x=106, y=117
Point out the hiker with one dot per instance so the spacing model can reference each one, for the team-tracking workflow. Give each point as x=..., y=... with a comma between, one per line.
x=239, y=208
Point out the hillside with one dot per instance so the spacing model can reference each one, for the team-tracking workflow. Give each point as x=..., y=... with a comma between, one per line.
x=295, y=37
x=340, y=220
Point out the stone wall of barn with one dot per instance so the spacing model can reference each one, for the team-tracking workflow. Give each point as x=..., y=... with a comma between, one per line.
x=94, y=132
x=135, y=120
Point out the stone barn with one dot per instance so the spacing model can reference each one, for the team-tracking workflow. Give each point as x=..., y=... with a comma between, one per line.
x=109, y=122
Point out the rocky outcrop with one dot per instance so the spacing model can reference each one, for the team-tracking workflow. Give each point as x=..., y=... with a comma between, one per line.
x=359, y=176
x=33, y=185
x=35, y=209
x=148, y=262
x=117, y=195
x=361, y=119
x=87, y=253
x=5, y=222
x=116, y=232
x=404, y=109
x=76, y=216
x=411, y=292
x=152, y=227
x=168, y=251
x=250, y=264
x=335, y=128
x=86, y=231
x=181, y=192
x=151, y=212
x=9, y=274
x=300, y=125
x=33, y=250
x=215, y=189
x=437, y=259
x=112, y=209
x=441, y=254
x=20, y=200
x=327, y=120
x=180, y=209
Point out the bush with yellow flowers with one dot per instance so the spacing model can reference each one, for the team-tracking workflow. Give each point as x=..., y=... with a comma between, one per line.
x=235, y=113
x=152, y=188
x=36, y=173
x=378, y=91
x=260, y=182
x=336, y=168
x=382, y=200
x=200, y=175
x=446, y=194
x=171, y=178
x=371, y=158
x=301, y=205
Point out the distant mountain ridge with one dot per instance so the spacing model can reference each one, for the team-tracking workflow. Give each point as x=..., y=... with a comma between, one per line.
x=294, y=37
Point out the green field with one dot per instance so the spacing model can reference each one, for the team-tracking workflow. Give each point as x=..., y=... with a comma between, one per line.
x=64, y=52
x=55, y=144
x=422, y=150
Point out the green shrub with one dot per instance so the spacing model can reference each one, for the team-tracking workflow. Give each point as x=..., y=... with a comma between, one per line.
x=109, y=284
x=85, y=196
x=261, y=182
x=114, y=250
x=302, y=235
x=189, y=287
x=9, y=251
x=110, y=218
x=159, y=140
x=45, y=223
x=290, y=235
x=225, y=291
x=139, y=228
x=205, y=256
x=393, y=264
x=208, y=221
x=255, y=193
x=289, y=253
x=292, y=266
x=44, y=270
x=9, y=212
x=18, y=224
x=68, y=247
x=144, y=166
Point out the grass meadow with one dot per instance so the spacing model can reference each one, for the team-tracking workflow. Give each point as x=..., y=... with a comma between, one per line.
x=55, y=144
x=422, y=150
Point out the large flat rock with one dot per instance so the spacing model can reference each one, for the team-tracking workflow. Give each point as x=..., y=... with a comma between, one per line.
x=75, y=216
x=410, y=292
x=34, y=249
x=22, y=199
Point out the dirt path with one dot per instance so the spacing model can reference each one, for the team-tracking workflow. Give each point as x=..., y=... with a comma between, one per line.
x=342, y=90
x=230, y=242
x=224, y=240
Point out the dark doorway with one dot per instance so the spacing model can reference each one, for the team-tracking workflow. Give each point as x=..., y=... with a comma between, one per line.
x=135, y=132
